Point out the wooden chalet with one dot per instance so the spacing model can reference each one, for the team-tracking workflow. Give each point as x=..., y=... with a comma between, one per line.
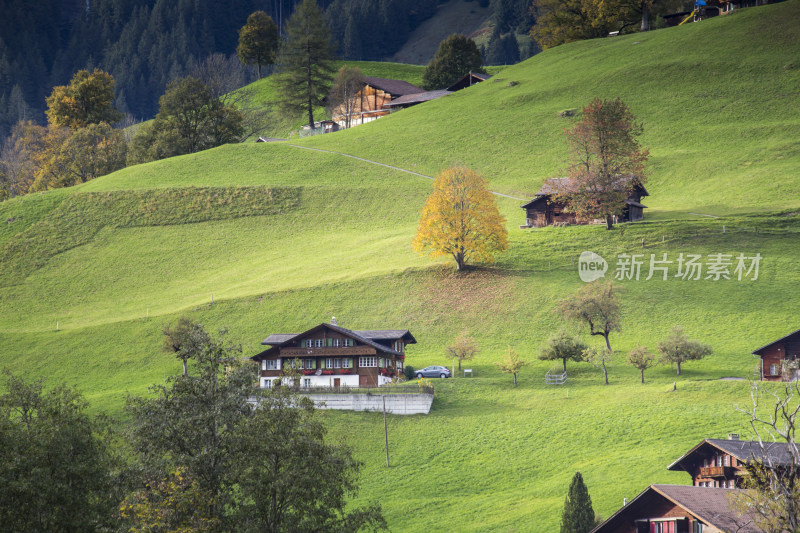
x=328, y=355
x=679, y=509
x=544, y=210
x=719, y=462
x=368, y=103
x=780, y=359
x=468, y=80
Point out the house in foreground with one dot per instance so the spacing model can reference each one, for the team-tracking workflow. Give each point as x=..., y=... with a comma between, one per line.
x=679, y=509
x=780, y=359
x=545, y=210
x=328, y=355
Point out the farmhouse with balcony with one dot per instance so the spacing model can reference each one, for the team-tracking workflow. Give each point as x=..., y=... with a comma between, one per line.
x=780, y=359
x=544, y=210
x=368, y=103
x=719, y=462
x=328, y=355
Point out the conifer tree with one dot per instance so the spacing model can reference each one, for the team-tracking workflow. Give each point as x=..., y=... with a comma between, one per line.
x=305, y=61
x=578, y=516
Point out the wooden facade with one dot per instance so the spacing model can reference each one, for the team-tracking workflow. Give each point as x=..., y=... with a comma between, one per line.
x=331, y=356
x=369, y=103
x=679, y=509
x=543, y=210
x=780, y=359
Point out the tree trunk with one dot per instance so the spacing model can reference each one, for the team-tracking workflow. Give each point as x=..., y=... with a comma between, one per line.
x=609, y=222
x=642, y=375
x=679, y=367
x=515, y=379
x=460, y=263
x=185, y=372
x=459, y=364
x=605, y=372
x=564, y=360
x=258, y=69
x=645, y=17
x=608, y=344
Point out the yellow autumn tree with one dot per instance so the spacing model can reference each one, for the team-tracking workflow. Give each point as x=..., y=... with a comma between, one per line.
x=461, y=219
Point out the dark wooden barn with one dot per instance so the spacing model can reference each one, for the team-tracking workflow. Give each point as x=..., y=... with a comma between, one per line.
x=780, y=359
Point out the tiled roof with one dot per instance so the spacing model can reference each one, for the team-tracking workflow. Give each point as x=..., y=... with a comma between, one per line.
x=368, y=337
x=744, y=450
x=712, y=506
x=278, y=338
x=393, y=87
x=417, y=98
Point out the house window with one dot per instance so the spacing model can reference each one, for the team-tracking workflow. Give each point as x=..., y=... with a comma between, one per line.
x=381, y=362
x=726, y=460
x=399, y=366
x=270, y=364
x=335, y=343
x=319, y=343
x=347, y=342
x=267, y=384
x=774, y=369
x=367, y=362
x=306, y=382
x=398, y=346
x=347, y=363
x=328, y=363
x=697, y=527
x=308, y=343
x=337, y=363
x=309, y=364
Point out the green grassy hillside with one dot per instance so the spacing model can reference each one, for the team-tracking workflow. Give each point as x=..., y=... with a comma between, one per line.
x=284, y=238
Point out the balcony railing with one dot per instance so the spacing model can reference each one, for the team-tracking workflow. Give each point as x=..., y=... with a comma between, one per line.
x=716, y=471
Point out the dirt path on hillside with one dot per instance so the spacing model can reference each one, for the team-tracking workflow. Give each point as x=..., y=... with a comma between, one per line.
x=392, y=167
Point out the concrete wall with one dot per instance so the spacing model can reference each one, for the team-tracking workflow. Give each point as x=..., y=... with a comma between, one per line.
x=396, y=404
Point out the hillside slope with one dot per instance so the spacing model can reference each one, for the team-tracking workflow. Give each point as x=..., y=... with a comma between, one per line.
x=284, y=238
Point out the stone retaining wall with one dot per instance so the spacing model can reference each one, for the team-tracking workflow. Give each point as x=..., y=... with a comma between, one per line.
x=396, y=404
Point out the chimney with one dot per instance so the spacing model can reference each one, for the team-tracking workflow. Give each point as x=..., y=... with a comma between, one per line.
x=333, y=321
x=624, y=502
x=733, y=436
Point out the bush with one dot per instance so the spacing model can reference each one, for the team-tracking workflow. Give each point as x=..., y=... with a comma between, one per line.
x=408, y=371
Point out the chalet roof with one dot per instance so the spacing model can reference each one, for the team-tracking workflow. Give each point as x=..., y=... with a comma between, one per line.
x=417, y=98
x=393, y=87
x=368, y=337
x=710, y=505
x=635, y=203
x=465, y=81
x=553, y=186
x=744, y=450
x=761, y=350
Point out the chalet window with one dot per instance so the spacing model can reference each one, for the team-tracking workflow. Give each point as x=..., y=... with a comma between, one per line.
x=337, y=363
x=328, y=363
x=367, y=362
x=263, y=364
x=306, y=382
x=335, y=343
x=308, y=343
x=697, y=527
x=347, y=363
x=270, y=364
x=347, y=342
x=726, y=460
x=381, y=362
x=309, y=364
x=774, y=370
x=398, y=346
x=318, y=343
x=267, y=384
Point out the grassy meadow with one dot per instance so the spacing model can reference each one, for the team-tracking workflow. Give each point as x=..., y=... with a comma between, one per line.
x=285, y=238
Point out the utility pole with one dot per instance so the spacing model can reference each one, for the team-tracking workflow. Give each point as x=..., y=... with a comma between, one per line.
x=385, y=431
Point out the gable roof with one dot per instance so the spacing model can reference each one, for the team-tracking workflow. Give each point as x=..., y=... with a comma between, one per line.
x=778, y=453
x=761, y=350
x=468, y=79
x=393, y=87
x=417, y=98
x=553, y=186
x=710, y=505
x=368, y=337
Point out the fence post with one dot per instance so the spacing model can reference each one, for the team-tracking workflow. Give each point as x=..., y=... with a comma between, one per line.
x=385, y=431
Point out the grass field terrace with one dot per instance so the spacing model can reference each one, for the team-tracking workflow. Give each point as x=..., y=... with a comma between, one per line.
x=285, y=238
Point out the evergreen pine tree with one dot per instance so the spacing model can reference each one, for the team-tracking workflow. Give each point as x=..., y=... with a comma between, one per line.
x=305, y=64
x=578, y=516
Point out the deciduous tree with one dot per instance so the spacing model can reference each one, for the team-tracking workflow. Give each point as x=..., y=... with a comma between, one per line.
x=463, y=348
x=457, y=56
x=595, y=304
x=641, y=359
x=88, y=99
x=55, y=467
x=578, y=515
x=563, y=346
x=341, y=100
x=599, y=358
x=678, y=348
x=511, y=364
x=185, y=338
x=305, y=61
x=17, y=157
x=607, y=162
x=461, y=219
x=258, y=41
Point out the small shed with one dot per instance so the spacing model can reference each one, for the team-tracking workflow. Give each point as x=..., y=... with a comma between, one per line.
x=468, y=80
x=780, y=359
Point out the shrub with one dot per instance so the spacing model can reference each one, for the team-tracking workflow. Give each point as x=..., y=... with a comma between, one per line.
x=408, y=371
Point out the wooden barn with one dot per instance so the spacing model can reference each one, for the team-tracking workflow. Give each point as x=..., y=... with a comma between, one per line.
x=369, y=103
x=780, y=359
x=468, y=80
x=328, y=355
x=544, y=210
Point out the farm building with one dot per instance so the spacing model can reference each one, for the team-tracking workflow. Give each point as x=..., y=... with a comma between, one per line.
x=780, y=359
x=368, y=103
x=331, y=356
x=679, y=509
x=544, y=210
x=468, y=80
x=720, y=462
